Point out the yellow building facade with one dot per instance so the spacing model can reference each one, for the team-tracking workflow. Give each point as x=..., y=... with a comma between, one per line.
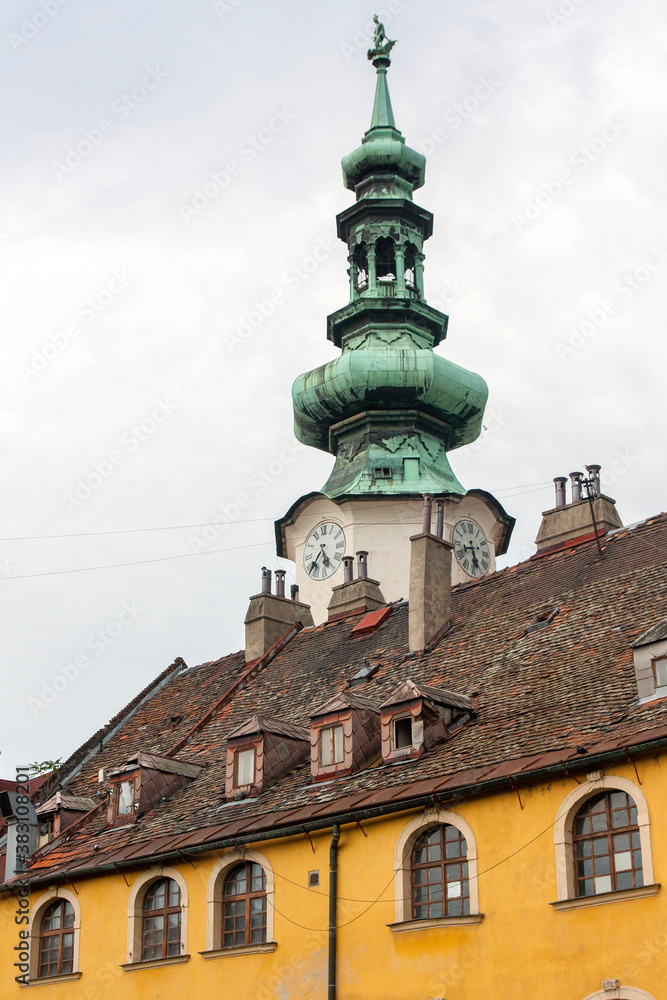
x=516, y=942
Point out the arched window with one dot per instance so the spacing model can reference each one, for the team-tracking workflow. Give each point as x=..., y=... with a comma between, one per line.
x=603, y=841
x=435, y=871
x=360, y=262
x=56, y=940
x=161, y=923
x=410, y=271
x=244, y=906
x=439, y=870
x=607, y=845
x=385, y=259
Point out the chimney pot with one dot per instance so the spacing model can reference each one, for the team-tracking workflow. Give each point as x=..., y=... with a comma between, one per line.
x=560, y=482
x=266, y=580
x=348, y=569
x=294, y=592
x=575, y=479
x=362, y=562
x=594, y=476
x=426, y=514
x=280, y=582
x=440, y=518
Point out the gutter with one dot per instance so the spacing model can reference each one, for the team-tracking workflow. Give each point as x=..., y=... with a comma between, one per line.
x=564, y=769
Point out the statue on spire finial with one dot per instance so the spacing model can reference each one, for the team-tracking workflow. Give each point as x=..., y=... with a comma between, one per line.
x=382, y=45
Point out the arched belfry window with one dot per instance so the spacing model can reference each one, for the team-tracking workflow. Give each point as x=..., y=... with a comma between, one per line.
x=410, y=270
x=385, y=259
x=360, y=264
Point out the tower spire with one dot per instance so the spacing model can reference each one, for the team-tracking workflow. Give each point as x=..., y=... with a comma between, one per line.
x=383, y=115
x=388, y=408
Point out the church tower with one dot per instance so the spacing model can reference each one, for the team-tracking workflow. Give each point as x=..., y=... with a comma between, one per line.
x=389, y=409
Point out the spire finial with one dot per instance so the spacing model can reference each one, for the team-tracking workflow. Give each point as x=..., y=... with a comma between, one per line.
x=383, y=115
x=382, y=46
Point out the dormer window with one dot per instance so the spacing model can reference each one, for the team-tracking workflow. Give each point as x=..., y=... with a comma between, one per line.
x=244, y=767
x=402, y=733
x=143, y=782
x=344, y=736
x=260, y=752
x=59, y=812
x=331, y=745
x=416, y=717
x=650, y=656
x=125, y=798
x=660, y=671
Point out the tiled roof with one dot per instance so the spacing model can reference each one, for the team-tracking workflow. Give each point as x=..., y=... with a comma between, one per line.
x=543, y=698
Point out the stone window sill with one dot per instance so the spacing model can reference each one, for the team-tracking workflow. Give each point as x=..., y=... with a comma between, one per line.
x=155, y=963
x=248, y=949
x=70, y=977
x=424, y=925
x=606, y=897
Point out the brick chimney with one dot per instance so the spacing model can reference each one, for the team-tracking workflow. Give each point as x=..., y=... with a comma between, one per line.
x=430, y=583
x=362, y=594
x=572, y=522
x=270, y=615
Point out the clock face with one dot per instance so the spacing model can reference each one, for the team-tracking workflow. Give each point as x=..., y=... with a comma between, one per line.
x=471, y=548
x=325, y=548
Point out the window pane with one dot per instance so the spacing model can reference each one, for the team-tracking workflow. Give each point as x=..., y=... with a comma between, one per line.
x=602, y=884
x=125, y=798
x=245, y=767
x=338, y=744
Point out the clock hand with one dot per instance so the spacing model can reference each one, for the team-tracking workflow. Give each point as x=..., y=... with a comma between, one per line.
x=473, y=550
x=314, y=562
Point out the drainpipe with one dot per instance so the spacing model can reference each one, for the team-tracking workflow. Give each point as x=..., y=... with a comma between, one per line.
x=333, y=893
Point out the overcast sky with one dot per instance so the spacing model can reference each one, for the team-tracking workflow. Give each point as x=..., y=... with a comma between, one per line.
x=169, y=170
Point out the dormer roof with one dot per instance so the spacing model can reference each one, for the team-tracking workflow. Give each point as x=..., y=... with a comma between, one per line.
x=409, y=691
x=344, y=700
x=267, y=724
x=656, y=633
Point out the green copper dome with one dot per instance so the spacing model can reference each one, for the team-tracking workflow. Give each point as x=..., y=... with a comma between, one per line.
x=388, y=408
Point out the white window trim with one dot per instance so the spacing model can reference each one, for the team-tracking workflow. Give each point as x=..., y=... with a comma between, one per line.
x=35, y=926
x=622, y=993
x=565, y=868
x=404, y=845
x=214, y=895
x=135, y=909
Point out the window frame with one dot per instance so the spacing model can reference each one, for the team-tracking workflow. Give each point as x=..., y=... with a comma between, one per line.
x=38, y=911
x=607, y=835
x=135, y=908
x=59, y=935
x=655, y=660
x=216, y=882
x=245, y=749
x=443, y=863
x=246, y=897
x=595, y=783
x=403, y=874
x=165, y=912
x=395, y=719
x=331, y=728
